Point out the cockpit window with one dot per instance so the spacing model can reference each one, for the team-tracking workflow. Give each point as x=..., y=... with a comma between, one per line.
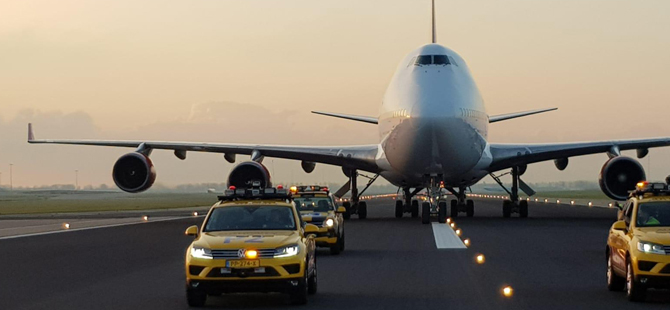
x=440, y=60
x=424, y=60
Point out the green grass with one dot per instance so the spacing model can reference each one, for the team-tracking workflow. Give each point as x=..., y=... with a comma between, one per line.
x=36, y=202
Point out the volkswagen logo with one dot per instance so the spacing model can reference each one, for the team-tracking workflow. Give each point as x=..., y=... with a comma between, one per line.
x=241, y=253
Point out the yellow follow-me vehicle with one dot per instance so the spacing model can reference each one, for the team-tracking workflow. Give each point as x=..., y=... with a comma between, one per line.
x=638, y=246
x=252, y=240
x=318, y=206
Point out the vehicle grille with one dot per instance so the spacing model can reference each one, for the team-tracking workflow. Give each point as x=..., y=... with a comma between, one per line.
x=666, y=269
x=242, y=273
x=232, y=254
x=317, y=223
x=667, y=250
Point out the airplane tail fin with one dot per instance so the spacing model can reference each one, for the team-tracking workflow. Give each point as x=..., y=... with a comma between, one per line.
x=434, y=30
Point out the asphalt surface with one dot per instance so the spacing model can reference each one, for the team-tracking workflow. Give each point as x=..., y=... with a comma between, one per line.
x=553, y=260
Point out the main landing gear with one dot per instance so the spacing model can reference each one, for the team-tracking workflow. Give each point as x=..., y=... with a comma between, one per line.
x=409, y=205
x=355, y=206
x=461, y=204
x=513, y=205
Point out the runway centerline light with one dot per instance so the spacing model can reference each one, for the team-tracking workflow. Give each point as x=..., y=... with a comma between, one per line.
x=480, y=259
x=453, y=224
x=448, y=220
x=466, y=242
x=458, y=232
x=507, y=291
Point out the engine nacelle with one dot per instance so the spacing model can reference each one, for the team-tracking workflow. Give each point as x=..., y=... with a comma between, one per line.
x=134, y=172
x=620, y=175
x=244, y=175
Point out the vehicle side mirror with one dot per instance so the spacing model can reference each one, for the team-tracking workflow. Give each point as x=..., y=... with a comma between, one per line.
x=192, y=231
x=311, y=229
x=620, y=225
x=341, y=210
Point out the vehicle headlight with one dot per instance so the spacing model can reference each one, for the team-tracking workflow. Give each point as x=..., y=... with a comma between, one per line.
x=287, y=251
x=330, y=222
x=648, y=247
x=199, y=252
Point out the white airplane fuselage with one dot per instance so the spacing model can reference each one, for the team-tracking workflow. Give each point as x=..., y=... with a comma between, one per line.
x=433, y=122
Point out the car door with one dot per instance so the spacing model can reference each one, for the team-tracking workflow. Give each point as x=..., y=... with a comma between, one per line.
x=623, y=238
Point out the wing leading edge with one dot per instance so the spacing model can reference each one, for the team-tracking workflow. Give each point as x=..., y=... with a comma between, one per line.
x=510, y=155
x=358, y=157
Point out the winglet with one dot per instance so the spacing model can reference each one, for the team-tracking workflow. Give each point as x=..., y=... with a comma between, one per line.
x=31, y=135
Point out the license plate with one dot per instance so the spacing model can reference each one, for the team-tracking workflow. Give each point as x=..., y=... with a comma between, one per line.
x=243, y=263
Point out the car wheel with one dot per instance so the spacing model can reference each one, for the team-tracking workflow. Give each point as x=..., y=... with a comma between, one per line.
x=634, y=290
x=415, y=209
x=347, y=213
x=425, y=213
x=342, y=242
x=195, y=298
x=299, y=295
x=362, y=210
x=442, y=212
x=312, y=284
x=614, y=282
x=335, y=248
x=398, y=208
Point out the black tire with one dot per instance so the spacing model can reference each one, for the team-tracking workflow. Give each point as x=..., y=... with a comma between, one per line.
x=507, y=208
x=470, y=208
x=346, y=215
x=614, y=282
x=362, y=210
x=415, y=208
x=634, y=289
x=312, y=281
x=299, y=295
x=442, y=212
x=425, y=213
x=195, y=298
x=335, y=249
x=398, y=209
x=341, y=242
x=454, y=208
x=523, y=208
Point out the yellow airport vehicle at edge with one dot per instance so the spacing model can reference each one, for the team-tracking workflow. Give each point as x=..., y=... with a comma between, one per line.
x=638, y=246
x=318, y=206
x=252, y=240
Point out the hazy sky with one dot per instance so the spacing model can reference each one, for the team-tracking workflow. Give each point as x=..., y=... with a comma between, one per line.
x=250, y=70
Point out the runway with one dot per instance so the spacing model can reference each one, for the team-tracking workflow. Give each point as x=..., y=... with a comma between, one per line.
x=553, y=260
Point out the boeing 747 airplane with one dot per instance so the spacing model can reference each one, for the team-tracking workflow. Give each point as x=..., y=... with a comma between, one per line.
x=433, y=130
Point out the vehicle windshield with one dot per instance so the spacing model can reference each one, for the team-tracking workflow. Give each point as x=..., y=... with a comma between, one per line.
x=653, y=214
x=251, y=218
x=319, y=204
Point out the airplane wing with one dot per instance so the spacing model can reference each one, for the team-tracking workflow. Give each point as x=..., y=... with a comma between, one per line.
x=358, y=118
x=357, y=157
x=510, y=155
x=503, y=117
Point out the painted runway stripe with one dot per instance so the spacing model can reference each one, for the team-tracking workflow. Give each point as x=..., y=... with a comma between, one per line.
x=446, y=238
x=95, y=227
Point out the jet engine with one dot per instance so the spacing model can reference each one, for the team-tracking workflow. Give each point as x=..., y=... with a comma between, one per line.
x=620, y=175
x=247, y=173
x=134, y=172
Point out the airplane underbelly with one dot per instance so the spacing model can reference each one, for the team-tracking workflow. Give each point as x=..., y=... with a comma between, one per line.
x=448, y=148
